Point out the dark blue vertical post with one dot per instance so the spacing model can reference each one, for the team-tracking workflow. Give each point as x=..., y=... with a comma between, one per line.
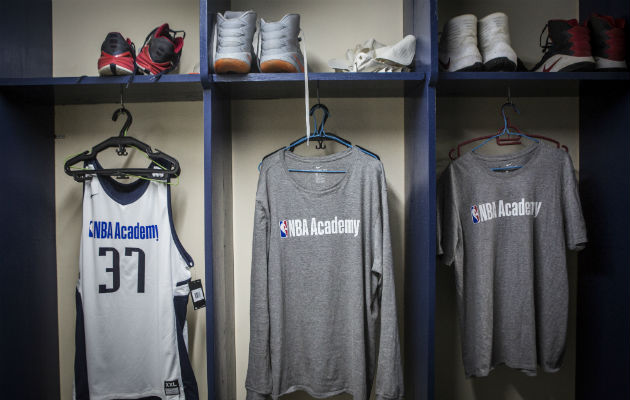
x=218, y=221
x=204, y=29
x=420, y=241
x=207, y=192
x=26, y=31
x=209, y=263
x=420, y=19
x=603, y=301
x=28, y=288
x=219, y=249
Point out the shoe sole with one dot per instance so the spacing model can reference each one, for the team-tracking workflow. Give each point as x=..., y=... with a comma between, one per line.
x=566, y=63
x=501, y=64
x=611, y=69
x=277, y=66
x=472, y=68
x=226, y=65
x=604, y=64
x=113, y=70
x=579, y=67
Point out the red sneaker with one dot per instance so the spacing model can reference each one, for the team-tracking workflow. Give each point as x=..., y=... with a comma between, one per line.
x=118, y=56
x=567, y=47
x=161, y=51
x=608, y=42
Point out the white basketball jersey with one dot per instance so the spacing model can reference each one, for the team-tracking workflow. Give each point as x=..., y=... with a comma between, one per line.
x=131, y=296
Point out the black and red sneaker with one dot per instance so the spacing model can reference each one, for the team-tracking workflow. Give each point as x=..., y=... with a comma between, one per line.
x=567, y=47
x=118, y=56
x=161, y=51
x=608, y=42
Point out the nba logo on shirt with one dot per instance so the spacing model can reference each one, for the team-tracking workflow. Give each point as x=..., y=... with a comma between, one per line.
x=283, y=229
x=474, y=212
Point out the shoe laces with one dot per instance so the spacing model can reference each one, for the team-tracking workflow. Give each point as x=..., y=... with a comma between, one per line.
x=306, y=94
x=276, y=38
x=171, y=35
x=548, y=41
x=230, y=34
x=132, y=45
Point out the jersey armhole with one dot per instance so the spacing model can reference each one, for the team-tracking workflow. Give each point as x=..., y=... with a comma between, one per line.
x=178, y=244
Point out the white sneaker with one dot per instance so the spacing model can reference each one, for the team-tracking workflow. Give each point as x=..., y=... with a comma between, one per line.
x=231, y=43
x=399, y=54
x=373, y=56
x=458, y=45
x=494, y=43
x=278, y=45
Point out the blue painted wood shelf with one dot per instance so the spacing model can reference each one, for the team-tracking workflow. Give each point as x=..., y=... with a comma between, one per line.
x=270, y=86
x=522, y=84
x=96, y=89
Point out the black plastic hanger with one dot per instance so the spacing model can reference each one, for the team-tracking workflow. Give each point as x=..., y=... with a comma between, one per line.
x=169, y=166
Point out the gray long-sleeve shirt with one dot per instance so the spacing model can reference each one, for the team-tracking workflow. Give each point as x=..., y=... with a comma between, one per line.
x=322, y=275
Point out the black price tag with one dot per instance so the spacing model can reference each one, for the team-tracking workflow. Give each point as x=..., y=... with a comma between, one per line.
x=196, y=292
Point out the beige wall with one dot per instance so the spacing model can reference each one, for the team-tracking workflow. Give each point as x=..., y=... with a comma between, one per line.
x=80, y=26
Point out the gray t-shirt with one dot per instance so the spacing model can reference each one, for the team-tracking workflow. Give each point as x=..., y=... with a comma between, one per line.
x=506, y=235
x=322, y=275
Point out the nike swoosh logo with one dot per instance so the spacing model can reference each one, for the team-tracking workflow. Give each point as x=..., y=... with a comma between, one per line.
x=445, y=65
x=545, y=69
x=93, y=194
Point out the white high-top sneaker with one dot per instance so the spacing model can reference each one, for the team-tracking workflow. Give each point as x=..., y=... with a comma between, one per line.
x=231, y=45
x=458, y=45
x=494, y=43
x=279, y=49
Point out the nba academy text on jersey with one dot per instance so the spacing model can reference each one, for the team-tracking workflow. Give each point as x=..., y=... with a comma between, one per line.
x=116, y=230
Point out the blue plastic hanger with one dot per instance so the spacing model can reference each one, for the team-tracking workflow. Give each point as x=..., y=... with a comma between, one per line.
x=506, y=131
x=320, y=135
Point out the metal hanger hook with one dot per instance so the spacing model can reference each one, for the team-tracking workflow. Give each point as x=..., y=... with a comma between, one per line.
x=121, y=151
x=326, y=113
x=505, y=119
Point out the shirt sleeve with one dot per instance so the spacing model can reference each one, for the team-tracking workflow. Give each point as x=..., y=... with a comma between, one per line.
x=449, y=229
x=259, y=382
x=574, y=226
x=389, y=376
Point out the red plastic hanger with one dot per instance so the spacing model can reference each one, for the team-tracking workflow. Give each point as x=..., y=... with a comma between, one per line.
x=506, y=140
